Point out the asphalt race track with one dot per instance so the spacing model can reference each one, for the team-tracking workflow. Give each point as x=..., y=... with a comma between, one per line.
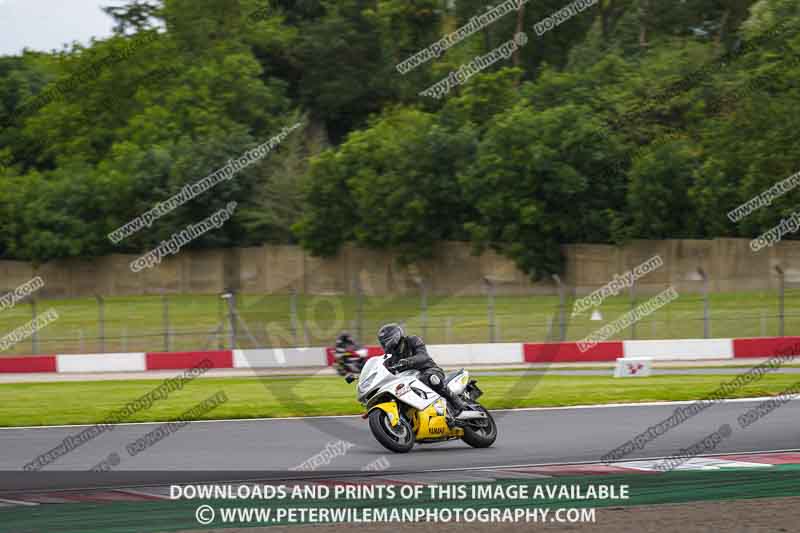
x=526, y=437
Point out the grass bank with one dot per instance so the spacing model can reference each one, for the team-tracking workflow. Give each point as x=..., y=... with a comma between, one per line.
x=29, y=404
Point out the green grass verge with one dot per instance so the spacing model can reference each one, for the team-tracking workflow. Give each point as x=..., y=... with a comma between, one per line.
x=26, y=404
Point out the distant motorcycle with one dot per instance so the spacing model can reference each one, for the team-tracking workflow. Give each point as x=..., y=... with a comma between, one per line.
x=403, y=410
x=349, y=361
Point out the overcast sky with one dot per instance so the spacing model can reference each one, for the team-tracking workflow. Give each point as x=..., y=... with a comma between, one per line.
x=48, y=24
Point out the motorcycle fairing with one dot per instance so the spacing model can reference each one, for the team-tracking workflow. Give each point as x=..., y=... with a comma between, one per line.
x=431, y=423
x=390, y=408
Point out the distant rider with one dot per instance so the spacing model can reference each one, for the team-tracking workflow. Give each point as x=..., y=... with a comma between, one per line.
x=345, y=343
x=410, y=353
x=350, y=356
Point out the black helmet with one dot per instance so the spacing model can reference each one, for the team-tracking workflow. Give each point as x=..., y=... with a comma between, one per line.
x=390, y=336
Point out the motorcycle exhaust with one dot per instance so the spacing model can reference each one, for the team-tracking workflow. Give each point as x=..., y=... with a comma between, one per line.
x=471, y=415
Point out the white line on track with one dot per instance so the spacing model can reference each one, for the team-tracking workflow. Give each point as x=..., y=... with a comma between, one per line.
x=518, y=409
x=16, y=502
x=142, y=493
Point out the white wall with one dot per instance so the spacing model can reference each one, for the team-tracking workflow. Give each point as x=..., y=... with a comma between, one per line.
x=279, y=358
x=476, y=354
x=101, y=362
x=680, y=349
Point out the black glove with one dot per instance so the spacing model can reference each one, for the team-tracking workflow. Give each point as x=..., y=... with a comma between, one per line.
x=400, y=365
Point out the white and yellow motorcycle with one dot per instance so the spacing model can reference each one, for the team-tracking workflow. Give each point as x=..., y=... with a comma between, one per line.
x=403, y=410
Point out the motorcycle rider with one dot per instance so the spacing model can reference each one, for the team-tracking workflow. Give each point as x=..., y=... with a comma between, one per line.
x=346, y=343
x=349, y=353
x=409, y=352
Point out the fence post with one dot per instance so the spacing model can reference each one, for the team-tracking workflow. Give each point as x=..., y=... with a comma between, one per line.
x=165, y=304
x=35, y=335
x=781, y=294
x=423, y=305
x=706, y=313
x=359, y=310
x=230, y=298
x=293, y=313
x=562, y=309
x=633, y=306
x=220, y=331
x=102, y=325
x=490, y=293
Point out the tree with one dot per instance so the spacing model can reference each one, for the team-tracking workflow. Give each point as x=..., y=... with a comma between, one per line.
x=137, y=16
x=539, y=181
x=659, y=202
x=391, y=186
x=374, y=37
x=278, y=199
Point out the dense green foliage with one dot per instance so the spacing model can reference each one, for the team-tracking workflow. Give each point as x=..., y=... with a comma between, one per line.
x=633, y=119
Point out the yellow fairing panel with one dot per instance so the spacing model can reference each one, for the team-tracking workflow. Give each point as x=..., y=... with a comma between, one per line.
x=390, y=408
x=434, y=426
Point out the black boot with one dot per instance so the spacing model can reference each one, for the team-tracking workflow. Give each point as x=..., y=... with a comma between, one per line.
x=455, y=402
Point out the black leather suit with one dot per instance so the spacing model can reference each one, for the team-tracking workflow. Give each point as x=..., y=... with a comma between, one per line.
x=413, y=350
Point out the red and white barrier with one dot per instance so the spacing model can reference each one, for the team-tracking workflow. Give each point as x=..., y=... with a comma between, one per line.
x=101, y=362
x=475, y=354
x=182, y=360
x=280, y=357
x=444, y=354
x=569, y=352
x=688, y=349
x=766, y=347
x=24, y=365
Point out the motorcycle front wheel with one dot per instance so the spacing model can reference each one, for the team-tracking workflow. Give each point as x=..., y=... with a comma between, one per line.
x=399, y=439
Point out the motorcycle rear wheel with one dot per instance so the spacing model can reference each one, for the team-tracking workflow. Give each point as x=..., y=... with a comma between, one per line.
x=399, y=439
x=481, y=436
